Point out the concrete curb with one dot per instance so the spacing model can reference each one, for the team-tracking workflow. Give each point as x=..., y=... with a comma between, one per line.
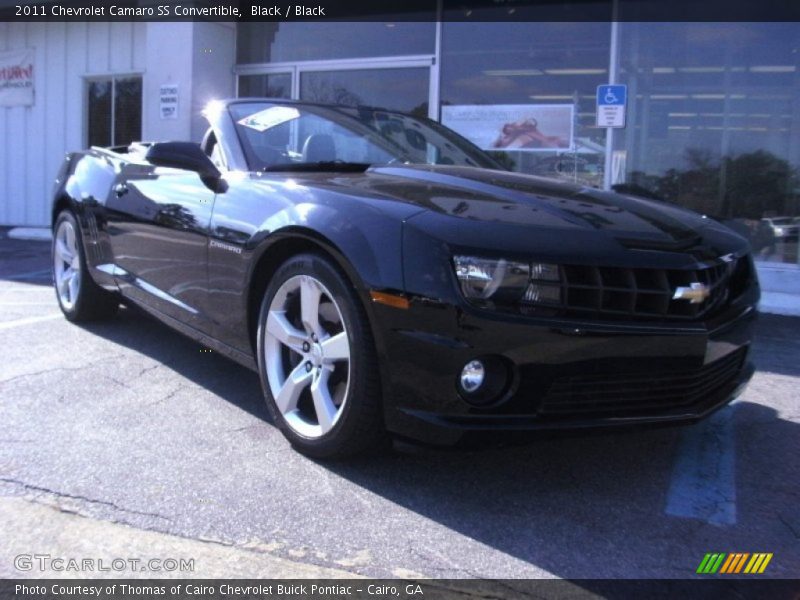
x=777, y=303
x=36, y=234
x=30, y=527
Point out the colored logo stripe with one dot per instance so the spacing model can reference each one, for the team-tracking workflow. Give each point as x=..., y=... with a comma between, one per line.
x=711, y=563
x=758, y=563
x=734, y=562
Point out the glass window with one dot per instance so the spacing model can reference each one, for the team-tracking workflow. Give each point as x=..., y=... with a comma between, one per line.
x=99, y=113
x=528, y=88
x=127, y=110
x=272, y=85
x=260, y=42
x=404, y=89
x=715, y=124
x=114, y=111
x=296, y=136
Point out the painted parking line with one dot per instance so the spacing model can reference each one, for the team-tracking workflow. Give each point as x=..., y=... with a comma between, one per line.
x=703, y=484
x=29, y=321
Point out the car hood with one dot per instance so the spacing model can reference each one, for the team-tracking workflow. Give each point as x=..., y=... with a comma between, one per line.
x=458, y=200
x=518, y=199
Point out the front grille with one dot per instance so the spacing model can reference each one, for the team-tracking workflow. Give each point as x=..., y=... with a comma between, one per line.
x=627, y=394
x=613, y=292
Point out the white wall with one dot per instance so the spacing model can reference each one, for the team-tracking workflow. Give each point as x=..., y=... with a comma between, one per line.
x=169, y=57
x=33, y=139
x=212, y=68
x=199, y=57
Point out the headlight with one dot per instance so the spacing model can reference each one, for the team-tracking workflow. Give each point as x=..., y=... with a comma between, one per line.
x=508, y=282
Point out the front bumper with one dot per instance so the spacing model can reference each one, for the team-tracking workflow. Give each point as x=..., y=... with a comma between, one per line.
x=564, y=374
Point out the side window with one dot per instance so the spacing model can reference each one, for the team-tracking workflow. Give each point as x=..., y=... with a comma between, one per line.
x=114, y=111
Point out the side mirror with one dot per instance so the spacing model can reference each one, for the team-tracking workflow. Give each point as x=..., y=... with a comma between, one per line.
x=183, y=155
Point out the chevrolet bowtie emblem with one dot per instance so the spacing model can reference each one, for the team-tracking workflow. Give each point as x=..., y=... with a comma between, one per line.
x=695, y=293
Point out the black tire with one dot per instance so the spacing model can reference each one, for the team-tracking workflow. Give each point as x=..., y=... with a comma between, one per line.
x=91, y=302
x=359, y=427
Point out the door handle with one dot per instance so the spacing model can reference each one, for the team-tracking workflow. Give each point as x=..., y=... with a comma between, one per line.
x=120, y=189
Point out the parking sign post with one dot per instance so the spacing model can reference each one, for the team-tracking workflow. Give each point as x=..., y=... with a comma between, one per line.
x=612, y=100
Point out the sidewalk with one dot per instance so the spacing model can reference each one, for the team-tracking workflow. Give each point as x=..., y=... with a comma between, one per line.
x=780, y=288
x=44, y=526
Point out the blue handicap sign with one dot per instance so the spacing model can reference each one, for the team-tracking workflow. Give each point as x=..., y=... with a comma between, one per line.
x=612, y=95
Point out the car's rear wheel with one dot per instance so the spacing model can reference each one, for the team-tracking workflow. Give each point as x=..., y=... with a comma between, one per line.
x=79, y=297
x=317, y=360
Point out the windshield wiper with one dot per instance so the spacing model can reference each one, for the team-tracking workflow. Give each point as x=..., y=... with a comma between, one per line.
x=330, y=165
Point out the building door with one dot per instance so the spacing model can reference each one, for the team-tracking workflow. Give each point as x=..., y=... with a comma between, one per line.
x=407, y=84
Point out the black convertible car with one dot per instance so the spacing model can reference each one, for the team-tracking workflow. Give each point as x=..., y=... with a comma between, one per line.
x=386, y=278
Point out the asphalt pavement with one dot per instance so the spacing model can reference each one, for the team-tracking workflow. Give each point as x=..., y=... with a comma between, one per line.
x=130, y=427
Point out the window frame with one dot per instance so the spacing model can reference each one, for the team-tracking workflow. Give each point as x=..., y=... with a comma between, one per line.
x=112, y=77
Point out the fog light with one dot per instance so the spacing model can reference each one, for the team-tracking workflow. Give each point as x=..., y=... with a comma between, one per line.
x=485, y=380
x=472, y=376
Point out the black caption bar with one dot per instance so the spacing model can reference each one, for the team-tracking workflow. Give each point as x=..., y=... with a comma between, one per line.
x=371, y=589
x=401, y=10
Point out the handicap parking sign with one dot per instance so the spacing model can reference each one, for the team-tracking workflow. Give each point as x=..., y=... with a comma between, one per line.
x=611, y=104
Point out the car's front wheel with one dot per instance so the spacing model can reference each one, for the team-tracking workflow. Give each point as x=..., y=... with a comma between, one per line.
x=79, y=297
x=317, y=360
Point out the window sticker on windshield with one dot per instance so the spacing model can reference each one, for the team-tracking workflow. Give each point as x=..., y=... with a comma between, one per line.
x=269, y=117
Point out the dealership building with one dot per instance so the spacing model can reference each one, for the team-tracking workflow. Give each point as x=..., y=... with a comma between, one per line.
x=709, y=117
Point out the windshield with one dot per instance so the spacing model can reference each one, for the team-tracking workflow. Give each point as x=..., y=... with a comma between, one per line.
x=278, y=137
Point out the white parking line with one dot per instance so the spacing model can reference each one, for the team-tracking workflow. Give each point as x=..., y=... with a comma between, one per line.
x=703, y=482
x=29, y=321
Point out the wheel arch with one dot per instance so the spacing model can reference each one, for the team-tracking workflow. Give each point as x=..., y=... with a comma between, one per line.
x=280, y=247
x=61, y=203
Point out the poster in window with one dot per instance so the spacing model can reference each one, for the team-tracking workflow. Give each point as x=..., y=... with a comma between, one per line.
x=523, y=127
x=16, y=77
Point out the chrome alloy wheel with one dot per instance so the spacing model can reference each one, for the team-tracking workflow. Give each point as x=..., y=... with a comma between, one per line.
x=66, y=265
x=307, y=356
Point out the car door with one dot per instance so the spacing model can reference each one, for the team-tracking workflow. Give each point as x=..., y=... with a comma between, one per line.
x=158, y=221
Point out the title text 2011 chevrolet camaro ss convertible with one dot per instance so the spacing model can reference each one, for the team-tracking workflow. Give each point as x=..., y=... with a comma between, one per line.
x=386, y=278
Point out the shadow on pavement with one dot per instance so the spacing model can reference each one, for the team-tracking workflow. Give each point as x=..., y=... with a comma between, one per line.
x=575, y=506
x=25, y=261
x=136, y=330
x=594, y=506
x=777, y=347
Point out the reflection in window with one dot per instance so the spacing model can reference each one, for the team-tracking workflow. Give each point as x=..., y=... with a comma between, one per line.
x=395, y=89
x=715, y=124
x=99, y=113
x=538, y=65
x=114, y=107
x=127, y=110
x=273, y=85
x=261, y=42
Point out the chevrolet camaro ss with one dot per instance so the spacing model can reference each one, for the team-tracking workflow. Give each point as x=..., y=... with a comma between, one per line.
x=388, y=279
